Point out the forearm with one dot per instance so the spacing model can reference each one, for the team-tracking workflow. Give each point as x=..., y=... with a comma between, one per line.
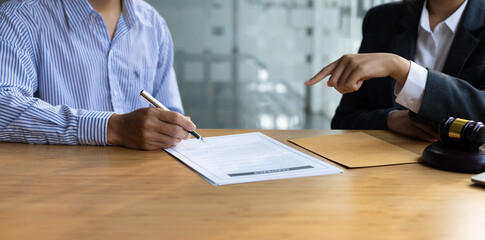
x=31, y=120
x=447, y=96
x=399, y=68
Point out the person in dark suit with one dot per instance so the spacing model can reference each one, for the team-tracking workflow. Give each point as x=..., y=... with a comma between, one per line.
x=419, y=63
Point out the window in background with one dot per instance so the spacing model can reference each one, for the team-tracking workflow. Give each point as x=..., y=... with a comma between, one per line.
x=242, y=63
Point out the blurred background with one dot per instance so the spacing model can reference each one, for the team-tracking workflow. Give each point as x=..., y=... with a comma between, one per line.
x=242, y=63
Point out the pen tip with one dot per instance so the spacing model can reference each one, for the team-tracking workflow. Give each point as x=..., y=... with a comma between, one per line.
x=201, y=139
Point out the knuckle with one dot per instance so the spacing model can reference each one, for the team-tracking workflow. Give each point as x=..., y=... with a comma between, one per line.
x=348, y=58
x=145, y=125
x=348, y=85
x=340, y=90
x=144, y=135
x=342, y=84
x=148, y=110
x=174, y=130
x=173, y=116
x=177, y=130
x=355, y=87
x=168, y=144
x=353, y=65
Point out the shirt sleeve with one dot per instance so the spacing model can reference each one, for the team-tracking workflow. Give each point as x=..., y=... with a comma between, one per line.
x=166, y=89
x=411, y=94
x=28, y=119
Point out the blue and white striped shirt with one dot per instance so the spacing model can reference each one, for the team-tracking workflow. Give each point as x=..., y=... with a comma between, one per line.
x=62, y=77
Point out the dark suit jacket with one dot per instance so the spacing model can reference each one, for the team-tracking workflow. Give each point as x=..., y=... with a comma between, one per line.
x=456, y=92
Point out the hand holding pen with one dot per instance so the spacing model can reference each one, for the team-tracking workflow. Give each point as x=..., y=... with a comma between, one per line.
x=149, y=129
x=158, y=104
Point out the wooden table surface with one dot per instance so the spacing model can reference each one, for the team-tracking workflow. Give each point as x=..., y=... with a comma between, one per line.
x=87, y=192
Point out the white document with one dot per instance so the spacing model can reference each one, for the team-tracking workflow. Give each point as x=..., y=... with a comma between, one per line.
x=247, y=157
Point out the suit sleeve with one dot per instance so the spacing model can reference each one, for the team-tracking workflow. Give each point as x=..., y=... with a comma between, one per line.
x=354, y=113
x=355, y=110
x=447, y=96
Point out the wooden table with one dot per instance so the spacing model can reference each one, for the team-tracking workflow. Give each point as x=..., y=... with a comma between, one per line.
x=85, y=192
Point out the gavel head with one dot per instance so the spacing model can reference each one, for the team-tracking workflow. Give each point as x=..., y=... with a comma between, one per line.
x=457, y=132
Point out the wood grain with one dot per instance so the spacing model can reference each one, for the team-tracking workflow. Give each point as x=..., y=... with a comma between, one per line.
x=85, y=192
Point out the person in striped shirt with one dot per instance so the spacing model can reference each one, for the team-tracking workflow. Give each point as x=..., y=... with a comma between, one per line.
x=71, y=72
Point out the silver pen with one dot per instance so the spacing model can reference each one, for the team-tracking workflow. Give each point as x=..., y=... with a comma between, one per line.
x=158, y=104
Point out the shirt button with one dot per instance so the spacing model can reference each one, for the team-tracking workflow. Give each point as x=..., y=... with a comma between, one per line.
x=411, y=102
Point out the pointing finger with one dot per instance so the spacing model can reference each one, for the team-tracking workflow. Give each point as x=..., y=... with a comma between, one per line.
x=322, y=74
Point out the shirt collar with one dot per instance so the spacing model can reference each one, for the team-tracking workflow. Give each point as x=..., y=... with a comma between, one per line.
x=78, y=10
x=452, y=21
x=133, y=11
x=130, y=13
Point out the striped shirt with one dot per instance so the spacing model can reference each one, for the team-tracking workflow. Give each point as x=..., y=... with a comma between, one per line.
x=62, y=77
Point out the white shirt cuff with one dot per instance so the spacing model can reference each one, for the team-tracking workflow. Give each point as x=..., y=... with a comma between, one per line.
x=93, y=128
x=411, y=94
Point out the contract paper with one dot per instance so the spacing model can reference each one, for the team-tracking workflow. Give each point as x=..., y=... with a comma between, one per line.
x=247, y=157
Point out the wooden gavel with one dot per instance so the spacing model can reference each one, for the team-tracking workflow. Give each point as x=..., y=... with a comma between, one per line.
x=462, y=133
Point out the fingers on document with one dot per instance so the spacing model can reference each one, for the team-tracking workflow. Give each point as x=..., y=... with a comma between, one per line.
x=173, y=131
x=159, y=141
x=176, y=118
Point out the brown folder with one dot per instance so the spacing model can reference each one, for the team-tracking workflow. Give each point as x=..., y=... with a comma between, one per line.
x=357, y=149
